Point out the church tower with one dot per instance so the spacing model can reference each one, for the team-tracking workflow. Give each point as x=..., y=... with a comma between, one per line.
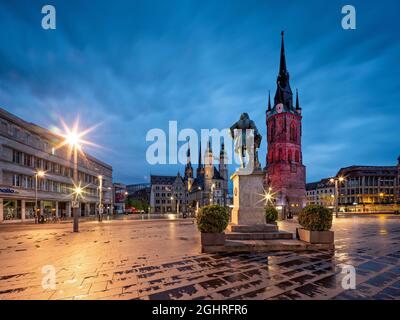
x=188, y=170
x=208, y=166
x=285, y=169
x=200, y=168
x=223, y=170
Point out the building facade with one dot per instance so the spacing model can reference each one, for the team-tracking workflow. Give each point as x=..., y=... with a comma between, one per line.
x=168, y=194
x=370, y=188
x=321, y=192
x=133, y=188
x=188, y=193
x=120, y=194
x=25, y=150
x=285, y=172
x=142, y=196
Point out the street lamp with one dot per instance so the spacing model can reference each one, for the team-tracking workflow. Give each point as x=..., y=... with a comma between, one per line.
x=100, y=196
x=336, y=180
x=38, y=174
x=74, y=140
x=268, y=197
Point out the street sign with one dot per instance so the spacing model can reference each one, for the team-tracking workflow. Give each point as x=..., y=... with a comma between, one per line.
x=75, y=204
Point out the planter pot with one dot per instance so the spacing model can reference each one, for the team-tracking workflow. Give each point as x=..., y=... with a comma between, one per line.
x=212, y=239
x=273, y=222
x=315, y=236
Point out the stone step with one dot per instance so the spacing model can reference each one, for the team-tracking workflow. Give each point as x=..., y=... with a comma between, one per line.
x=258, y=235
x=236, y=246
x=252, y=228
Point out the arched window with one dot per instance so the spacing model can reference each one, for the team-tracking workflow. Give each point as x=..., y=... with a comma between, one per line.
x=280, y=158
x=297, y=156
x=272, y=130
x=293, y=135
x=290, y=156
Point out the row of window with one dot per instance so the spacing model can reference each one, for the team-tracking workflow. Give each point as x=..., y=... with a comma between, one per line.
x=163, y=201
x=281, y=156
x=313, y=192
x=28, y=182
x=37, y=163
x=361, y=200
x=370, y=181
x=20, y=134
x=24, y=136
x=367, y=191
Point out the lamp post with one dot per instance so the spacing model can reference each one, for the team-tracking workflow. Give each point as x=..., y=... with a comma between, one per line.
x=74, y=140
x=336, y=180
x=37, y=175
x=76, y=208
x=100, y=198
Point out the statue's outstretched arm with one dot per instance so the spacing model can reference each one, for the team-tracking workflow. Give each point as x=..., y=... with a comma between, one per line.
x=232, y=129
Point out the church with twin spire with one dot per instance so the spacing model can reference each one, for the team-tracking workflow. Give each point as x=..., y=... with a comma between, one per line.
x=187, y=193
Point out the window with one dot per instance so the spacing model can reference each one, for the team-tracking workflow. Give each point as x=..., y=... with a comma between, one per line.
x=293, y=134
x=47, y=165
x=38, y=163
x=27, y=182
x=27, y=160
x=280, y=156
x=15, y=132
x=17, y=156
x=4, y=127
x=28, y=138
x=297, y=156
x=17, y=180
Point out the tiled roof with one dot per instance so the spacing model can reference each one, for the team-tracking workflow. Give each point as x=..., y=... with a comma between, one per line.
x=162, y=179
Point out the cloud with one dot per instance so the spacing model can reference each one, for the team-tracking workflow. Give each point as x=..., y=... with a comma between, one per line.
x=136, y=65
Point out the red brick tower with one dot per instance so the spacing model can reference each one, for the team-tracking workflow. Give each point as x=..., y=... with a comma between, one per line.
x=285, y=169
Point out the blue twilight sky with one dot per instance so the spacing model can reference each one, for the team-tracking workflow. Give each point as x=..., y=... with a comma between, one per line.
x=135, y=65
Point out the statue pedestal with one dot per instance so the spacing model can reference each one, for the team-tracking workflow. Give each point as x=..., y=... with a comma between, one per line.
x=248, y=199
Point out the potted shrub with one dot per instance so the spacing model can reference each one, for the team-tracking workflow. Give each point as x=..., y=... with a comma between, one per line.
x=211, y=221
x=271, y=215
x=316, y=222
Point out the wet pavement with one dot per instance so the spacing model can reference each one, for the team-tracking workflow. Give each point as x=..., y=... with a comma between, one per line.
x=131, y=259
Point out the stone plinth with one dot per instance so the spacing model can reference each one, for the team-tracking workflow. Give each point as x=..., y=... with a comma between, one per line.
x=248, y=198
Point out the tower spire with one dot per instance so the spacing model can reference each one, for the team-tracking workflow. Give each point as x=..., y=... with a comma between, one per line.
x=188, y=167
x=297, y=100
x=283, y=93
x=282, y=65
x=200, y=154
x=188, y=152
x=269, y=100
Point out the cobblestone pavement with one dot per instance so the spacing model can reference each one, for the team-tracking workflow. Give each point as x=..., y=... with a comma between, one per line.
x=161, y=260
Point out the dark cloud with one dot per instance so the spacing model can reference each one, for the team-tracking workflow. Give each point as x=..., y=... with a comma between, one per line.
x=135, y=65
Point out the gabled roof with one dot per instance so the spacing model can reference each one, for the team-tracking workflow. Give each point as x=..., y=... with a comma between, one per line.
x=217, y=175
x=162, y=179
x=197, y=182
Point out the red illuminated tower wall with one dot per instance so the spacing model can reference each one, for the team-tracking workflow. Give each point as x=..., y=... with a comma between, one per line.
x=285, y=169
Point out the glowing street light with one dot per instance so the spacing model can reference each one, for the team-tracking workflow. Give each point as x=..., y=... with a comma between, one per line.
x=336, y=180
x=75, y=140
x=38, y=174
x=268, y=197
x=100, y=198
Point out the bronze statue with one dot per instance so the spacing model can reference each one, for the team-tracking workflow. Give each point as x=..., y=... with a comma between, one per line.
x=247, y=141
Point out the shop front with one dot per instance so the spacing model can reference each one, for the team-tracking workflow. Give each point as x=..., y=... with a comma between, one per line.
x=11, y=209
